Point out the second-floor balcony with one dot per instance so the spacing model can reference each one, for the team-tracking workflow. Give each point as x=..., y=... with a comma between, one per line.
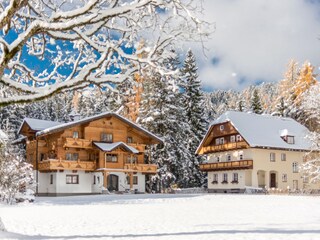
x=224, y=147
x=55, y=164
x=143, y=168
x=77, y=143
x=232, y=165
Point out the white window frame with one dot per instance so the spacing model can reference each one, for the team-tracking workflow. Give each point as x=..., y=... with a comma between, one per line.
x=295, y=168
x=225, y=177
x=235, y=177
x=221, y=127
x=72, y=179
x=221, y=141
x=215, y=177
x=272, y=157
x=217, y=141
x=284, y=177
x=238, y=138
x=290, y=139
x=228, y=158
x=75, y=134
x=233, y=138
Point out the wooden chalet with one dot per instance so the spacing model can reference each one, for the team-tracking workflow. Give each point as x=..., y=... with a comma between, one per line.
x=89, y=155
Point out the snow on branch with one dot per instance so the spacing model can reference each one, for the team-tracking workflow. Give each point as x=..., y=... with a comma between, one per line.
x=47, y=47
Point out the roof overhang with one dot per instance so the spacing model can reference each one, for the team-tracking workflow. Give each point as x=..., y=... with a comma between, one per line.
x=109, y=147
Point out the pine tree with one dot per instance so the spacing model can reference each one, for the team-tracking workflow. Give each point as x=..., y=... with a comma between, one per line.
x=256, y=102
x=162, y=113
x=193, y=102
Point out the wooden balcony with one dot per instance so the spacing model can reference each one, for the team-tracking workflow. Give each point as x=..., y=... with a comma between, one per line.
x=233, y=165
x=77, y=143
x=138, y=146
x=224, y=147
x=143, y=168
x=55, y=164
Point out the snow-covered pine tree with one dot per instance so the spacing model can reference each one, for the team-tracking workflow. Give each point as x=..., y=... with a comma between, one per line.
x=193, y=102
x=256, y=103
x=15, y=174
x=161, y=112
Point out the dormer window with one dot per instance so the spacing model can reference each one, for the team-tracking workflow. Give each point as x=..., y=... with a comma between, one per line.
x=290, y=139
x=286, y=136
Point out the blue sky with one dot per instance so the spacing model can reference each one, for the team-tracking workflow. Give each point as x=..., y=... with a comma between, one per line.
x=255, y=39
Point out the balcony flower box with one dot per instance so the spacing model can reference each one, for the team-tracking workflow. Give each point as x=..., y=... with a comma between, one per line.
x=214, y=182
x=224, y=182
x=234, y=182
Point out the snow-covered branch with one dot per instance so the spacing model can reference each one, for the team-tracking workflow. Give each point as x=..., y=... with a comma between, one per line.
x=54, y=46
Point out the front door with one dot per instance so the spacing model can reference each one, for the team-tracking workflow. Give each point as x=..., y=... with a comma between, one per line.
x=113, y=182
x=273, y=180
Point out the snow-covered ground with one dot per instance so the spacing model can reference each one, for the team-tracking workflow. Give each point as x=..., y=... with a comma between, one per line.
x=164, y=217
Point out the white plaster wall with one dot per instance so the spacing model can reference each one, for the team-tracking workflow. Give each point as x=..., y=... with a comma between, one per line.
x=84, y=186
x=124, y=185
x=97, y=187
x=262, y=161
x=44, y=185
x=241, y=179
x=247, y=155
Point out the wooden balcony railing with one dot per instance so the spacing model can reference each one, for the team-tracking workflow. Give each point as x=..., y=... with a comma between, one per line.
x=143, y=168
x=33, y=144
x=138, y=146
x=55, y=164
x=233, y=165
x=77, y=143
x=224, y=147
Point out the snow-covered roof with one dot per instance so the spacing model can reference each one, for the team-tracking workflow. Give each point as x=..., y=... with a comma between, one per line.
x=37, y=124
x=108, y=147
x=265, y=130
x=46, y=127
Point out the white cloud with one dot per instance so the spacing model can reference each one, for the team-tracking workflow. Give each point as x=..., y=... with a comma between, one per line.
x=254, y=40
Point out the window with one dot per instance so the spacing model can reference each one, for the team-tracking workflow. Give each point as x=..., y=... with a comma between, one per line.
x=272, y=157
x=295, y=167
x=241, y=156
x=42, y=156
x=235, y=177
x=284, y=177
x=72, y=156
x=221, y=140
x=221, y=127
x=217, y=141
x=283, y=157
x=132, y=159
x=135, y=180
x=218, y=159
x=75, y=134
x=290, y=139
x=111, y=158
x=239, y=138
x=51, y=178
x=94, y=179
x=93, y=156
x=215, y=177
x=129, y=140
x=72, y=179
x=98, y=180
x=225, y=177
x=232, y=138
x=106, y=137
x=228, y=157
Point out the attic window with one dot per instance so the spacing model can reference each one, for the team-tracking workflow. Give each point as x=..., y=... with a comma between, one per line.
x=221, y=127
x=288, y=139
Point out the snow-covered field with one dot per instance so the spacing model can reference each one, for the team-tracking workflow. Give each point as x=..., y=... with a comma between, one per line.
x=164, y=217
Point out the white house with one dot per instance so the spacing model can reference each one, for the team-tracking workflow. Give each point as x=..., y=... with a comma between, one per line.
x=261, y=151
